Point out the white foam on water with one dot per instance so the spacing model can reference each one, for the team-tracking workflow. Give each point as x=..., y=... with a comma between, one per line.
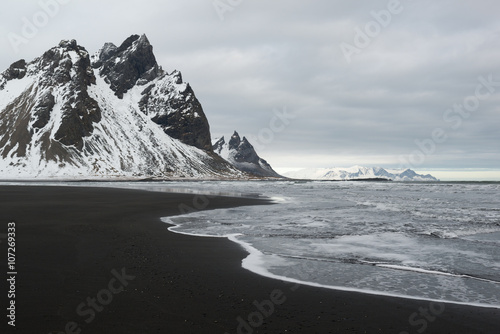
x=258, y=263
x=173, y=228
x=434, y=272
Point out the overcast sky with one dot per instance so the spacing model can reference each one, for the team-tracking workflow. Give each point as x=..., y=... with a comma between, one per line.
x=311, y=83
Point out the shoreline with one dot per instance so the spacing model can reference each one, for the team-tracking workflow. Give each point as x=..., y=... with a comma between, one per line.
x=253, y=252
x=70, y=239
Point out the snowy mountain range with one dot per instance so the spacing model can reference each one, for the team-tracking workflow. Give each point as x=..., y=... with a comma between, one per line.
x=117, y=113
x=241, y=154
x=358, y=173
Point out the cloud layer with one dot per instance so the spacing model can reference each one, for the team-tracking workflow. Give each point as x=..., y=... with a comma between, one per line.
x=378, y=103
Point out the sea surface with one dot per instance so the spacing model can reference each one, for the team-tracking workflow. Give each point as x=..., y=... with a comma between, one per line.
x=433, y=241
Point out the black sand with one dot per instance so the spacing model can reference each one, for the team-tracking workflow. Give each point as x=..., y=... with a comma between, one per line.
x=71, y=243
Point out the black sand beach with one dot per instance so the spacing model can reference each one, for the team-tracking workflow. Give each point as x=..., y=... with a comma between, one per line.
x=97, y=260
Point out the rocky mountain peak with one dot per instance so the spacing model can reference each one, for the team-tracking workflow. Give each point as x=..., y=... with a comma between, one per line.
x=235, y=141
x=176, y=77
x=69, y=45
x=67, y=62
x=242, y=155
x=45, y=104
x=133, y=62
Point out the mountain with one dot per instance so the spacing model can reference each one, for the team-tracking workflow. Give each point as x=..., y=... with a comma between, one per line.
x=358, y=172
x=117, y=113
x=241, y=154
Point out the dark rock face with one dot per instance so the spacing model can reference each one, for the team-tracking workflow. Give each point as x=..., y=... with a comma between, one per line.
x=219, y=145
x=41, y=112
x=80, y=111
x=244, y=151
x=130, y=63
x=242, y=155
x=78, y=120
x=16, y=70
x=173, y=105
x=190, y=127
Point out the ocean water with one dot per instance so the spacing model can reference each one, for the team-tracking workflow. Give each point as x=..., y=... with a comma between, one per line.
x=432, y=241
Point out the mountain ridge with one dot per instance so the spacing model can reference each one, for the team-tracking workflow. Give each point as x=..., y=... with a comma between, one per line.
x=115, y=114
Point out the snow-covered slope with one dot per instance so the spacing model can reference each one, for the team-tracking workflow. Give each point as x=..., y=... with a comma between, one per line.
x=63, y=115
x=241, y=154
x=358, y=172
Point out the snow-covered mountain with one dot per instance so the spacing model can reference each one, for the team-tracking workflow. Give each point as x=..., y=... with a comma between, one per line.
x=67, y=114
x=241, y=154
x=358, y=172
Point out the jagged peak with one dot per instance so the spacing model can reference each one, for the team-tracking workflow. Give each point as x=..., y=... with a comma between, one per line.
x=127, y=43
x=106, y=52
x=65, y=49
x=58, y=65
x=131, y=45
x=236, y=136
x=218, y=145
x=133, y=62
x=109, y=45
x=241, y=154
x=235, y=141
x=49, y=60
x=67, y=46
x=219, y=140
x=143, y=39
x=176, y=77
x=70, y=44
x=133, y=42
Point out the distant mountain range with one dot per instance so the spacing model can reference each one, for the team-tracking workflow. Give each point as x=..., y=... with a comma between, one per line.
x=358, y=173
x=117, y=113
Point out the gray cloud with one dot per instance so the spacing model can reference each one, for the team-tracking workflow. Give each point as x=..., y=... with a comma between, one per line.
x=267, y=55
